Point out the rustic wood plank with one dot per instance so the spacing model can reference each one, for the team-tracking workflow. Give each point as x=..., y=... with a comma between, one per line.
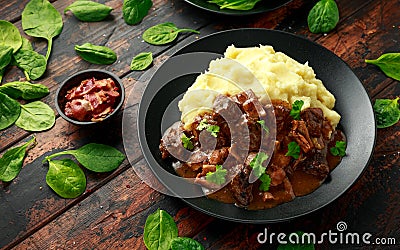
x=124, y=39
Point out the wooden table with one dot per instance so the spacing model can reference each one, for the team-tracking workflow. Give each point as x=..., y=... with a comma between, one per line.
x=111, y=213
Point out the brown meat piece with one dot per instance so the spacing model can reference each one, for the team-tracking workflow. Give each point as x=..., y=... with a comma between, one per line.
x=250, y=104
x=218, y=156
x=314, y=118
x=300, y=134
x=240, y=187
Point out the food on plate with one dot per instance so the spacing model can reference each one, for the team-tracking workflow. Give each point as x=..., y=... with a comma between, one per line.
x=92, y=100
x=256, y=136
x=267, y=72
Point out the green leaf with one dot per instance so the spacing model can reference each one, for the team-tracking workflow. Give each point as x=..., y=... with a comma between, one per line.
x=36, y=116
x=265, y=182
x=387, y=112
x=66, y=178
x=256, y=164
x=133, y=11
x=9, y=35
x=95, y=157
x=389, y=63
x=41, y=19
x=10, y=110
x=163, y=33
x=26, y=44
x=217, y=177
x=160, y=229
x=213, y=129
x=235, y=4
x=293, y=150
x=142, y=61
x=184, y=243
x=24, y=90
x=339, y=149
x=33, y=63
x=89, y=11
x=296, y=246
x=263, y=126
x=6, y=53
x=96, y=54
x=186, y=142
x=323, y=17
x=12, y=160
x=203, y=124
x=296, y=109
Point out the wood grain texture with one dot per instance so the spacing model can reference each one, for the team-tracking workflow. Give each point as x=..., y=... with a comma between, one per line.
x=112, y=212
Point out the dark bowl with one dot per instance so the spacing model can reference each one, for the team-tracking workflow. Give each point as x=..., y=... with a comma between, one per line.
x=75, y=80
x=158, y=109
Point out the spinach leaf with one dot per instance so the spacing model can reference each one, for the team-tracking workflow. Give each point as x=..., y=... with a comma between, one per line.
x=41, y=19
x=184, y=243
x=24, y=90
x=163, y=33
x=389, y=63
x=323, y=17
x=9, y=35
x=89, y=11
x=9, y=111
x=387, y=112
x=2, y=71
x=96, y=54
x=6, y=53
x=36, y=116
x=33, y=63
x=142, y=61
x=235, y=4
x=26, y=44
x=12, y=160
x=95, y=157
x=66, y=178
x=160, y=229
x=134, y=11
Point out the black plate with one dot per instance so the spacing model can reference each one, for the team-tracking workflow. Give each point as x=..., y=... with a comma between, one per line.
x=260, y=7
x=352, y=102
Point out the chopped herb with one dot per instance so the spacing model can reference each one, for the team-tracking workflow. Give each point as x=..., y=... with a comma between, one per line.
x=213, y=129
x=266, y=182
x=263, y=126
x=387, y=112
x=293, y=150
x=217, y=177
x=256, y=164
x=186, y=142
x=296, y=109
x=203, y=124
x=339, y=149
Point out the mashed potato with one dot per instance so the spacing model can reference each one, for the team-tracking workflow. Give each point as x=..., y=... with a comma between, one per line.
x=266, y=72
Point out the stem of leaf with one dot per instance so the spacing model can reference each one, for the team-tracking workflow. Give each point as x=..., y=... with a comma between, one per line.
x=27, y=76
x=188, y=30
x=48, y=158
x=49, y=45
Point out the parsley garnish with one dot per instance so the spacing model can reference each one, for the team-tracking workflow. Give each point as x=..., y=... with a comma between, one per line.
x=293, y=150
x=213, y=129
x=256, y=164
x=263, y=126
x=186, y=142
x=296, y=109
x=339, y=149
x=203, y=124
x=217, y=177
x=266, y=181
